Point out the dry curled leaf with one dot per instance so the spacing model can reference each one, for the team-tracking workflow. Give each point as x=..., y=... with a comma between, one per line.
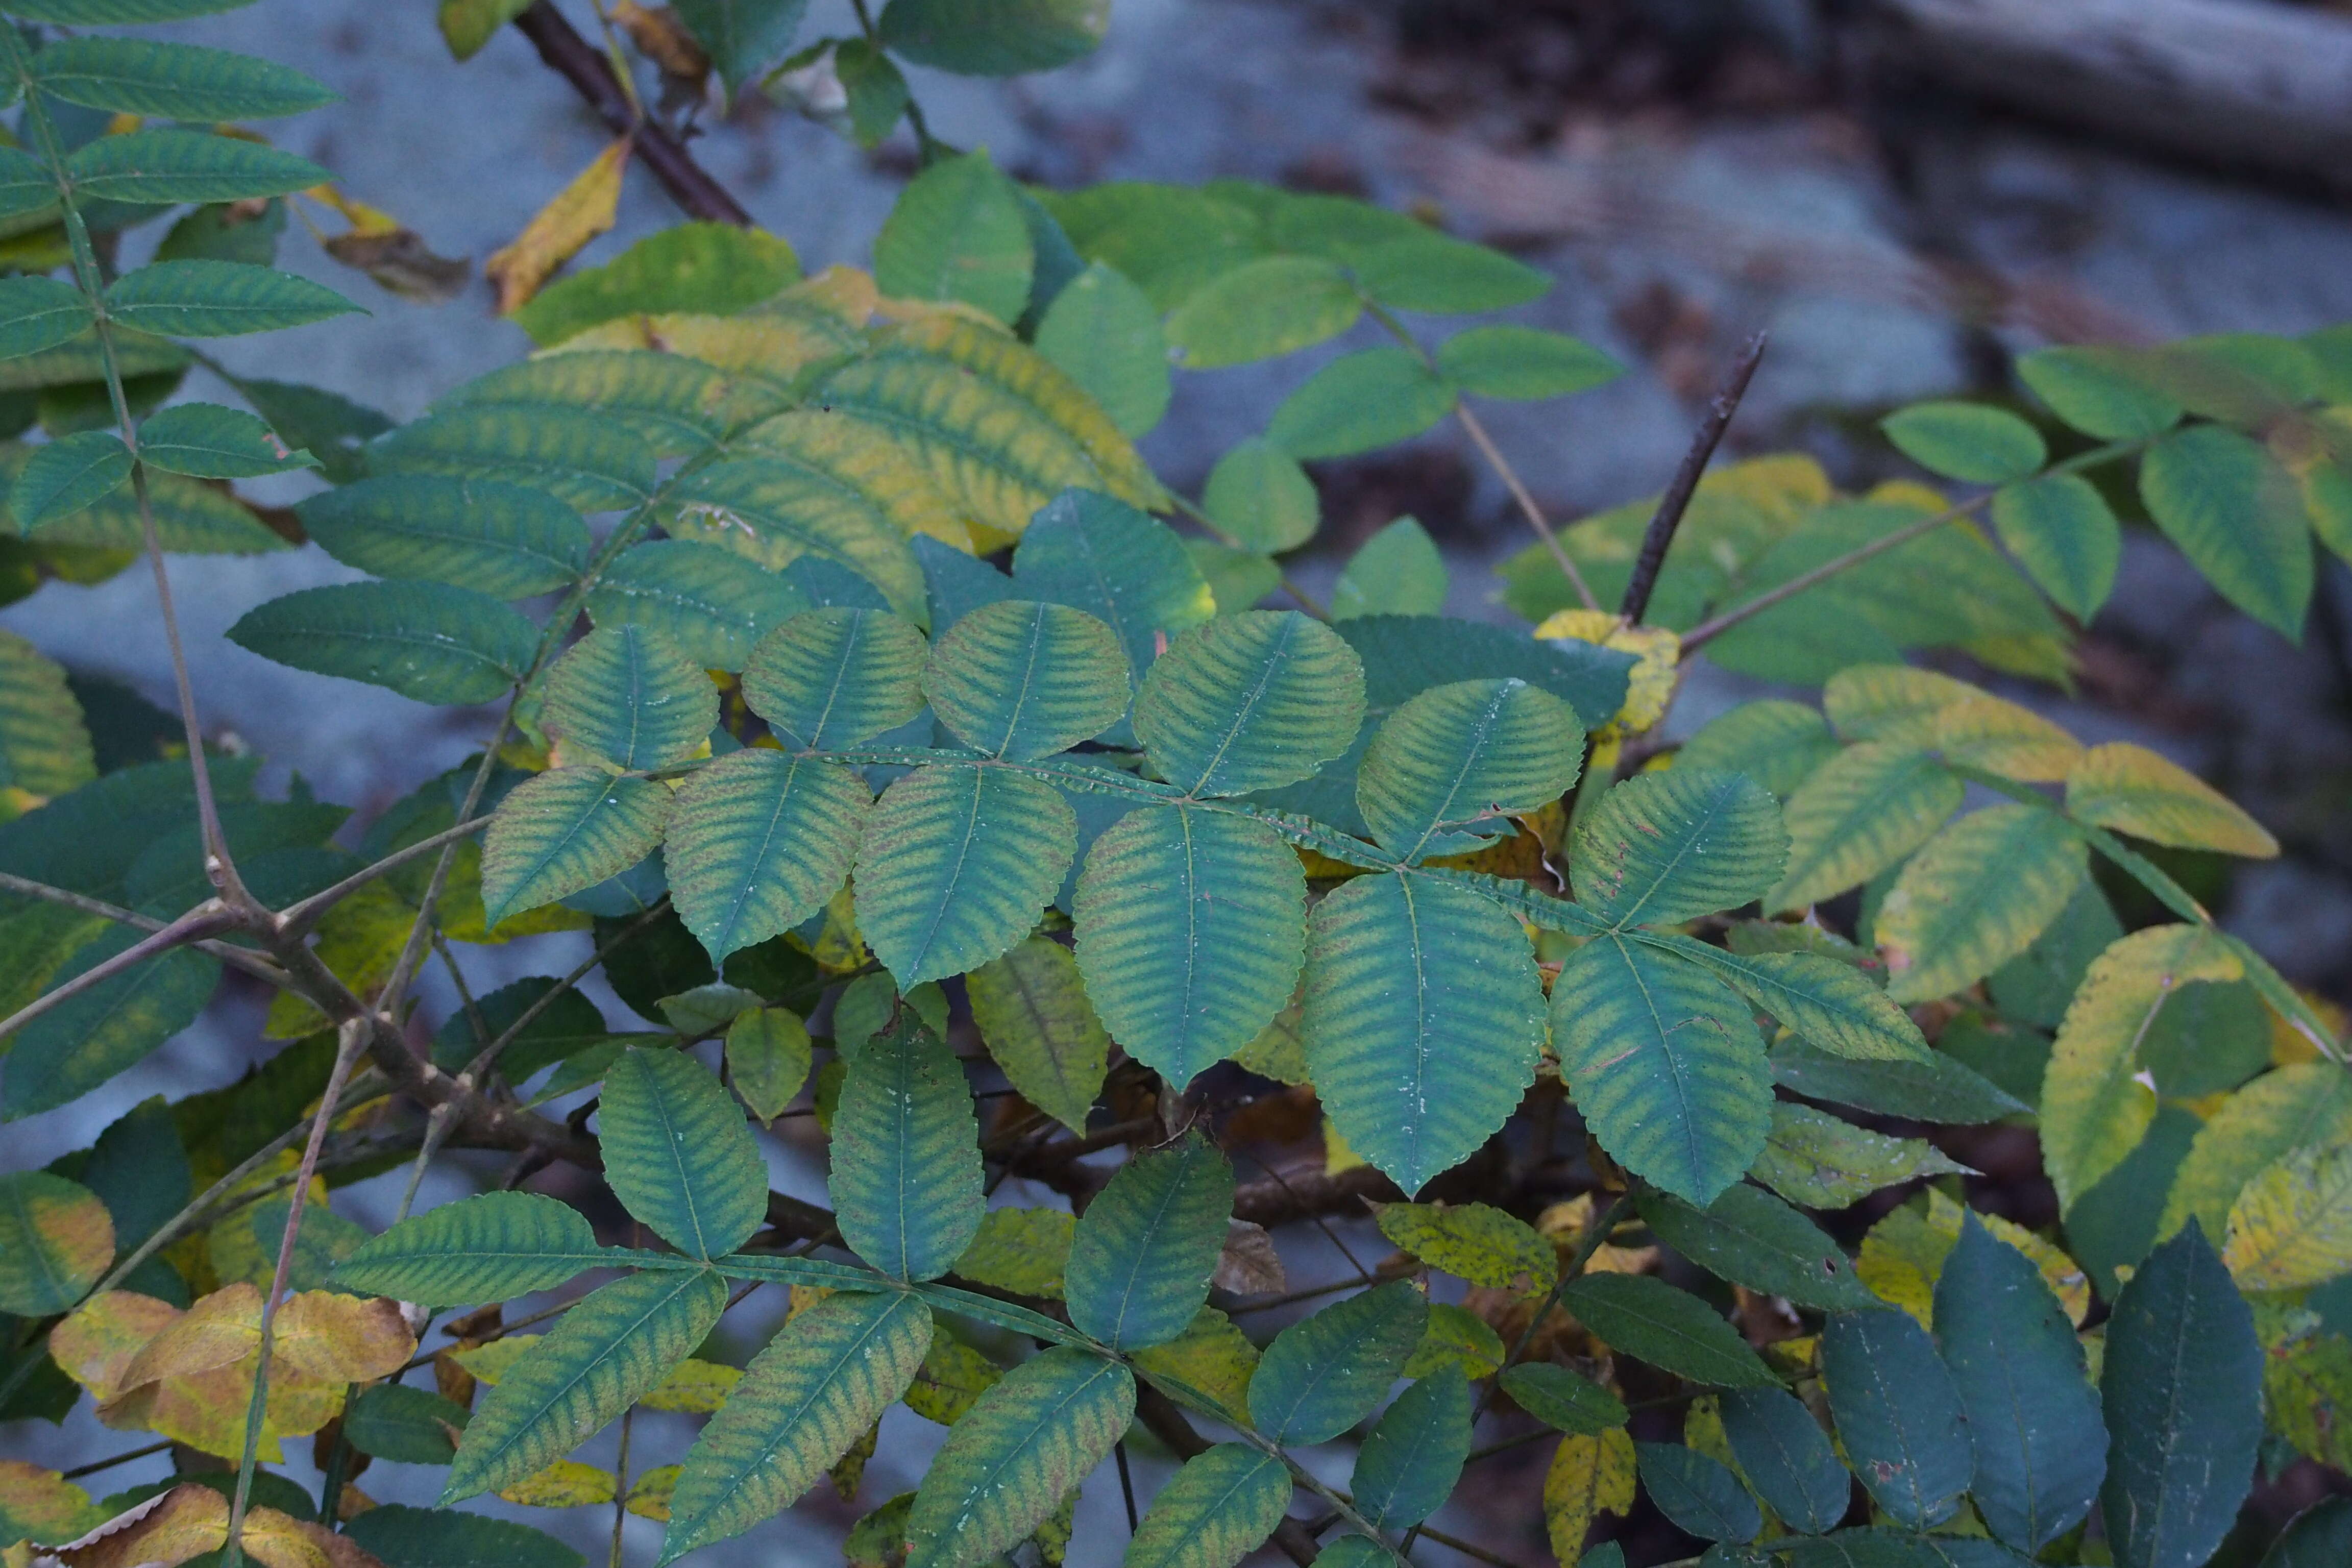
x=1249, y=1265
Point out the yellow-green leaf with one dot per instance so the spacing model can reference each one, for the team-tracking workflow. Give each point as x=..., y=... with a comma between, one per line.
x=56, y=1240
x=1975, y=897
x=2133, y=790
x=1861, y=812
x=2300, y=1106
x=1474, y=1242
x=1032, y=1010
x=1589, y=1477
x=2292, y=1225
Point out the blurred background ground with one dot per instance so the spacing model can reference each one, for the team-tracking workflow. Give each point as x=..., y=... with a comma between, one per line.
x=1691, y=171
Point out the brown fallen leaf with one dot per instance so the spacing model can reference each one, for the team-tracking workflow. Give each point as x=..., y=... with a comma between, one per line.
x=1249, y=1265
x=403, y=264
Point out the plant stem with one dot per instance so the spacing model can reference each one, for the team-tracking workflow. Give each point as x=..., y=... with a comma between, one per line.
x=237, y=957
x=1708, y=630
x=106, y=1464
x=297, y=918
x=490, y=1053
x=620, y=1490
x=201, y=922
x=1477, y=430
x=1676, y=499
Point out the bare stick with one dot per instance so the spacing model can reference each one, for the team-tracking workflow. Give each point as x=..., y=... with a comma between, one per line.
x=252, y=962
x=1527, y=507
x=198, y=922
x=1678, y=498
x=297, y=918
x=353, y=1034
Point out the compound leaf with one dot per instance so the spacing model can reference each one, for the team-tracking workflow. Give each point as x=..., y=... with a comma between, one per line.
x=1672, y=1330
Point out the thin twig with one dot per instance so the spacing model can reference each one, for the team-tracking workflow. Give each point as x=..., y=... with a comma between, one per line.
x=198, y=922
x=1126, y=1484
x=490, y=1054
x=237, y=957
x=1684, y=484
x=1477, y=429
x=620, y=1490
x=353, y=1035
x=106, y=1464
x=297, y=918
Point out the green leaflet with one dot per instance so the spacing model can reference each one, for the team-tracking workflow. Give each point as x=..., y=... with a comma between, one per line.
x=500, y=540
x=1264, y=309
x=825, y=1378
x=768, y=1058
x=45, y=744
x=1411, y=1459
x=484, y=1249
x=1258, y=496
x=1860, y=812
x=173, y=81
x=1007, y=1465
x=1787, y=1458
x=777, y=509
x=1190, y=931
x=973, y=38
x=1396, y=571
x=425, y=640
x=830, y=679
x=55, y=1241
x=1324, y=1373
x=1938, y=1088
x=160, y=168
x=2101, y=392
x=2300, y=1106
x=679, y=1154
x=905, y=1154
x=956, y=864
x=68, y=475
x=2318, y=1536
x=590, y=461
x=757, y=842
x=1523, y=364
x=1129, y=571
x=1422, y=1020
x=1102, y=333
x=217, y=299
x=2040, y=1445
x=1374, y=398
x=1249, y=702
x=1022, y=680
x=1700, y=1494
x=680, y=406
x=1665, y=848
x=2063, y=533
x=209, y=441
x=26, y=186
x=564, y=830
x=1214, y=1511
x=2235, y=512
x=1897, y=1414
x=391, y=1421
x=1475, y=1242
x=603, y=1355
x=1664, y=1063
x=1033, y=1012
x=1779, y=744
x=81, y=1043
x=712, y=603
x=1750, y=1238
x=1831, y=1003
x=38, y=314
x=1561, y=1399
x=957, y=233
x=1422, y=270
x=626, y=694
x=1816, y=1161
x=1966, y=441
x=1672, y=1330
x=2182, y=1387
x=1974, y=897
x=1142, y=1254
x=1461, y=755
x=190, y=517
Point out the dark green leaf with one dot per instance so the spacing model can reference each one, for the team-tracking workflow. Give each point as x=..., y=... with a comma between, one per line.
x=758, y=841
x=80, y=1044
x=567, y=829
x=606, y=1354
x=1824, y=998
x=173, y=81
x=1938, y=1089
x=1445, y=770
x=1215, y=1512
x=1396, y=571
x=742, y=37
x=956, y=865
x=1411, y=1459
x=2040, y=1445
x=1665, y=847
x=1561, y=1399
x=712, y=269
x=2101, y=392
x=1007, y=1465
x=425, y=640
x=625, y=693
x=410, y=1425
x=1143, y=1251
x=905, y=1154
x=1700, y=1495
x=1032, y=1010
x=1898, y=1415
x=713, y=604
x=139, y=1169
x=1966, y=441
x=400, y=1536
x=594, y=462
x=1102, y=333
x=1250, y=701
x=830, y=679
x=1019, y=678
x=2319, y=1537
x=2182, y=1390
x=68, y=475
x=1524, y=363
x=957, y=233
x=1128, y=570
x=161, y=167
x=484, y=1249
x=38, y=314
x=1326, y=1372
x=25, y=185
x=1750, y=1238
x=505, y=540
x=1787, y=1458
x=994, y=38
x=1672, y=1330
x=679, y=1154
x=215, y=443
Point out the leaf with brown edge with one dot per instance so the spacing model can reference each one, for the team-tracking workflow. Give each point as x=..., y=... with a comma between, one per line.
x=2133, y=790
x=166, y=1529
x=277, y=1540
x=97, y=1344
x=39, y=1504
x=580, y=211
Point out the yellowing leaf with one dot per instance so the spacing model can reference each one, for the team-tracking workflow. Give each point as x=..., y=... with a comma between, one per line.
x=867, y=464
x=649, y=1494
x=1589, y=1477
x=1892, y=703
x=1649, y=685
x=57, y=1239
x=333, y=1337
x=1211, y=1358
x=2095, y=1100
x=1474, y=1242
x=217, y=1329
x=1564, y=1225
x=185, y=1521
x=2304, y=1105
x=580, y=211
x=694, y=1387
x=277, y=1540
x=2292, y=1225
x=1903, y=1255
x=97, y=1344
x=41, y=1505
x=2002, y=738
x=567, y=1483
x=488, y=1363
x=2133, y=790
